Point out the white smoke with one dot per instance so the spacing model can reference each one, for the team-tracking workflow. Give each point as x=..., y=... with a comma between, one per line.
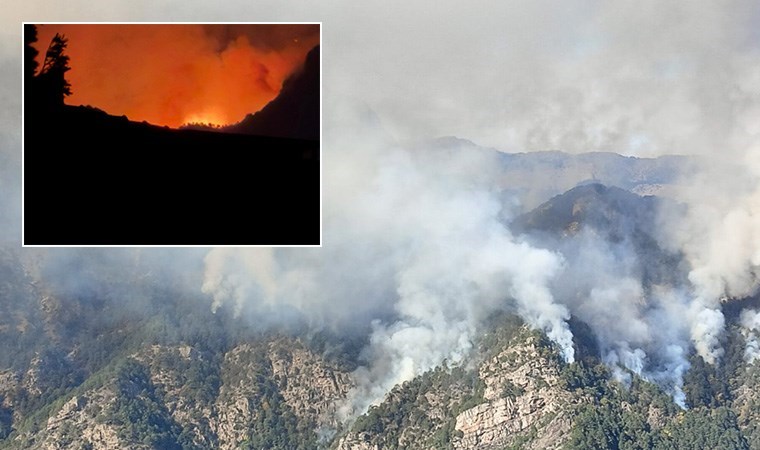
x=720, y=238
x=750, y=322
x=670, y=346
x=416, y=238
x=638, y=328
x=638, y=77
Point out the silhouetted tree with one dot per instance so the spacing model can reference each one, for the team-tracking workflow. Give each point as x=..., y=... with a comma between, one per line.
x=30, y=53
x=52, y=75
x=31, y=83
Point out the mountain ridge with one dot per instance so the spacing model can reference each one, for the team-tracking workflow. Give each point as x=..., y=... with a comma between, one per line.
x=168, y=373
x=295, y=112
x=534, y=177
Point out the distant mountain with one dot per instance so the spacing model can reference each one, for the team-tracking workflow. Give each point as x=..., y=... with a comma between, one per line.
x=610, y=214
x=169, y=374
x=534, y=177
x=294, y=113
x=121, y=356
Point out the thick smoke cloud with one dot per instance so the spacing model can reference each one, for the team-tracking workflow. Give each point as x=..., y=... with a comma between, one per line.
x=416, y=239
x=636, y=318
x=265, y=37
x=720, y=232
x=633, y=77
x=416, y=247
x=10, y=154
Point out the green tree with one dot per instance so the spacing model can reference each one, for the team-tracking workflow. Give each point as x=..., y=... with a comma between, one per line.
x=597, y=427
x=702, y=428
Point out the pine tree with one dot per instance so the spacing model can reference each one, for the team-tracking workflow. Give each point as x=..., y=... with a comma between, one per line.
x=52, y=75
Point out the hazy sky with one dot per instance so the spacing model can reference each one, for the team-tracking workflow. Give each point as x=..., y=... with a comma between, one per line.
x=641, y=77
x=637, y=77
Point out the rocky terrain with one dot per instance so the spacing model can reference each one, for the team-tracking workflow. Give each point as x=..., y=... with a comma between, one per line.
x=111, y=350
x=278, y=391
x=180, y=397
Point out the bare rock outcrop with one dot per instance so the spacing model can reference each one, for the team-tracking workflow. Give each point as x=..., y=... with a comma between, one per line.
x=524, y=403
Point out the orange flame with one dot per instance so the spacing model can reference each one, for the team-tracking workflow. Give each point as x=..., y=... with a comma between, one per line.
x=175, y=74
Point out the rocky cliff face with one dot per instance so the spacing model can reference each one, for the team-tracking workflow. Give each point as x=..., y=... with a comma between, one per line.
x=524, y=403
x=184, y=378
x=211, y=404
x=513, y=398
x=280, y=392
x=746, y=403
x=286, y=372
x=82, y=424
x=309, y=385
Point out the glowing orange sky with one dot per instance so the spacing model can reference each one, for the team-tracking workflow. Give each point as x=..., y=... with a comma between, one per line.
x=176, y=74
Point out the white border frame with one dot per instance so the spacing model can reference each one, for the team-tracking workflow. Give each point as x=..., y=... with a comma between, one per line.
x=321, y=124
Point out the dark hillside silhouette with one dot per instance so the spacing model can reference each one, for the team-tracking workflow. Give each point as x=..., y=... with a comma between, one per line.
x=95, y=179
x=294, y=112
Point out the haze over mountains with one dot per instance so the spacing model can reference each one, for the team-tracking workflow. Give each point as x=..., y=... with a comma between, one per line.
x=447, y=306
x=536, y=176
x=287, y=348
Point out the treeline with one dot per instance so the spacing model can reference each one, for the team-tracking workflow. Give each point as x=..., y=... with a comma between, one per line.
x=606, y=415
x=45, y=86
x=643, y=417
x=74, y=333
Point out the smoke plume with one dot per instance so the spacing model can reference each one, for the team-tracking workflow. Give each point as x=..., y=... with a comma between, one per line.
x=750, y=322
x=720, y=233
x=413, y=247
x=176, y=74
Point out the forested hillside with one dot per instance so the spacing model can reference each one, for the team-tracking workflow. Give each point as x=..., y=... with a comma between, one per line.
x=153, y=367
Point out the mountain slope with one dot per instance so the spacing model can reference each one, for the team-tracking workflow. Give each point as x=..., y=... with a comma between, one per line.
x=152, y=367
x=536, y=176
x=520, y=395
x=621, y=221
x=294, y=113
x=610, y=211
x=171, y=397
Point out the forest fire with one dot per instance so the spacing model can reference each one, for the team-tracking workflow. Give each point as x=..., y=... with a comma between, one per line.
x=177, y=74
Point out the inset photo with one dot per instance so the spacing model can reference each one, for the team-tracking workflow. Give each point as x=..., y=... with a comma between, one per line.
x=171, y=134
